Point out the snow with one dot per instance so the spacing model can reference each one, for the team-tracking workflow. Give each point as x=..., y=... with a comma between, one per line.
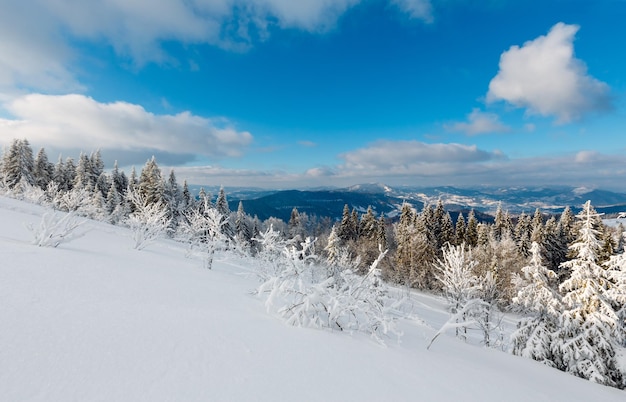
x=96, y=320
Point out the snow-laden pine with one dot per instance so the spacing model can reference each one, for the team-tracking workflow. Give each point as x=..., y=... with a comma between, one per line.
x=541, y=305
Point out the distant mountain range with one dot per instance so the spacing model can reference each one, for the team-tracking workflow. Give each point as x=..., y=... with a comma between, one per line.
x=388, y=200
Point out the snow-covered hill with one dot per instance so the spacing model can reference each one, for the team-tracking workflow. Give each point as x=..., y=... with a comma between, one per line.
x=95, y=320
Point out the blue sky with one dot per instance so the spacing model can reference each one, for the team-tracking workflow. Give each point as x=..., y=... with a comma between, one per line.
x=295, y=94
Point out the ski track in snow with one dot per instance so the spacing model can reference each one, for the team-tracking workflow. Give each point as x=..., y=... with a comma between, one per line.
x=95, y=320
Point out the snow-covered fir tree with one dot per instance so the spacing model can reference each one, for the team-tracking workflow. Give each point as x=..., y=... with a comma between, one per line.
x=589, y=333
x=542, y=307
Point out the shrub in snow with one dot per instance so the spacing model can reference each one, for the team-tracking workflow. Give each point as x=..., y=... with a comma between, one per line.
x=304, y=295
x=56, y=228
x=485, y=311
x=148, y=222
x=459, y=284
x=203, y=230
x=471, y=299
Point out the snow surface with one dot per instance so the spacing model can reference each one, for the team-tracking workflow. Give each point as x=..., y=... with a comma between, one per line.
x=95, y=320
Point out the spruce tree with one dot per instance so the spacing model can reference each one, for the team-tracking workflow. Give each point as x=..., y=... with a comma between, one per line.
x=459, y=230
x=242, y=227
x=522, y=234
x=471, y=231
x=542, y=307
x=404, y=230
x=381, y=233
x=83, y=177
x=151, y=186
x=43, y=170
x=70, y=173
x=345, y=231
x=295, y=225
x=222, y=207
x=537, y=232
x=18, y=164
x=368, y=225
x=590, y=327
x=58, y=175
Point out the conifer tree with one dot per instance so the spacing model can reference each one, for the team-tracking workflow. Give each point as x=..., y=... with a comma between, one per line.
x=43, y=170
x=437, y=228
x=295, y=225
x=102, y=184
x=381, y=233
x=83, y=176
x=333, y=245
x=151, y=186
x=424, y=254
x=222, y=207
x=354, y=224
x=119, y=179
x=187, y=200
x=113, y=204
x=18, y=164
x=459, y=230
x=96, y=165
x=70, y=173
x=471, y=231
x=368, y=225
x=405, y=230
x=242, y=227
x=542, y=307
x=499, y=225
x=590, y=327
x=58, y=175
x=345, y=231
x=446, y=232
x=537, y=232
x=522, y=234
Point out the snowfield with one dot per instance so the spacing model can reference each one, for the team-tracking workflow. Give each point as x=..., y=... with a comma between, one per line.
x=96, y=320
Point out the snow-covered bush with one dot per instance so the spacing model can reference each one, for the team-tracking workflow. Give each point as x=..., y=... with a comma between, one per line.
x=471, y=299
x=148, y=222
x=203, y=230
x=304, y=295
x=56, y=228
x=271, y=245
x=459, y=284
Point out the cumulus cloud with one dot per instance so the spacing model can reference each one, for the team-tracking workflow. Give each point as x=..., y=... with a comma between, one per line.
x=479, y=123
x=67, y=121
x=545, y=77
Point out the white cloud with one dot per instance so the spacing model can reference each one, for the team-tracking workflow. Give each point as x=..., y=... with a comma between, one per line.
x=479, y=123
x=545, y=77
x=419, y=9
x=432, y=165
x=39, y=54
x=70, y=121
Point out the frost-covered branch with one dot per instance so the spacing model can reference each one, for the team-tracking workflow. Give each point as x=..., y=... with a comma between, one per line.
x=56, y=228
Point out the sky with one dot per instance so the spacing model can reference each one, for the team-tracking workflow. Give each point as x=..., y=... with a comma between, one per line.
x=309, y=93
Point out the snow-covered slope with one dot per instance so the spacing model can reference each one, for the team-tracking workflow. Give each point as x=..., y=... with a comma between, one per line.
x=95, y=320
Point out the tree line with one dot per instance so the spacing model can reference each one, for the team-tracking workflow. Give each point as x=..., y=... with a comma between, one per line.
x=564, y=273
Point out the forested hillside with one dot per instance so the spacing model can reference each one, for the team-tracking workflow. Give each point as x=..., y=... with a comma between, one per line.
x=565, y=274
